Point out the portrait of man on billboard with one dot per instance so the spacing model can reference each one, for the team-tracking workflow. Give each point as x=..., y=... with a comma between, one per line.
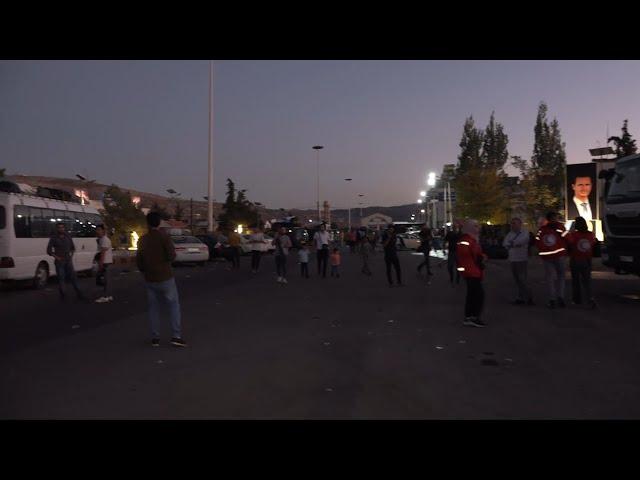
x=581, y=191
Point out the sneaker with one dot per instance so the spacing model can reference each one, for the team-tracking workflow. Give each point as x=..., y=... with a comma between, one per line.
x=468, y=321
x=476, y=322
x=284, y=280
x=110, y=298
x=561, y=303
x=155, y=342
x=551, y=304
x=178, y=342
x=102, y=300
x=279, y=279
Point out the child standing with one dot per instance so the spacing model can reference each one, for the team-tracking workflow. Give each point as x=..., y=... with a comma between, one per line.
x=335, y=263
x=303, y=257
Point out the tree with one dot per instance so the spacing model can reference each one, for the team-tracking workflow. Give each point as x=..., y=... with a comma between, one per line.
x=164, y=214
x=537, y=196
x=624, y=145
x=548, y=161
x=494, y=145
x=471, y=147
x=237, y=208
x=478, y=179
x=121, y=214
x=2, y=172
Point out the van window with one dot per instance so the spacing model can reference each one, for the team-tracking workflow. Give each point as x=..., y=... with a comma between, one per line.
x=3, y=218
x=21, y=221
x=39, y=228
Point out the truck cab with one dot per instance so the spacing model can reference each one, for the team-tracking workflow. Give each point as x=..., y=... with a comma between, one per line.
x=622, y=215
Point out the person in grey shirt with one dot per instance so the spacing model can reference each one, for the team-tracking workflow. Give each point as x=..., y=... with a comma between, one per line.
x=61, y=248
x=517, y=243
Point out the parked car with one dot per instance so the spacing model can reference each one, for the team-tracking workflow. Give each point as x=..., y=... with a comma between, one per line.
x=245, y=244
x=190, y=249
x=410, y=241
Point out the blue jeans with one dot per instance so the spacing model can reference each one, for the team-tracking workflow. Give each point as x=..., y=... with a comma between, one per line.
x=65, y=271
x=167, y=293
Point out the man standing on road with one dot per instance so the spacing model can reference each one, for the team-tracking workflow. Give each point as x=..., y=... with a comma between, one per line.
x=105, y=260
x=452, y=238
x=425, y=248
x=391, y=256
x=470, y=260
x=61, y=248
x=155, y=254
x=552, y=249
x=517, y=243
x=321, y=241
x=365, y=251
x=581, y=243
x=282, y=243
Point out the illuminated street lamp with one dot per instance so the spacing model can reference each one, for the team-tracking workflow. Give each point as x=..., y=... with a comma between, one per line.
x=431, y=179
x=423, y=193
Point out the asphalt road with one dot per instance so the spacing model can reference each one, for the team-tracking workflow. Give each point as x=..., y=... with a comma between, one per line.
x=348, y=348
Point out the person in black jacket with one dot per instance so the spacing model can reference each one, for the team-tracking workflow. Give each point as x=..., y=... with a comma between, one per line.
x=425, y=248
x=61, y=248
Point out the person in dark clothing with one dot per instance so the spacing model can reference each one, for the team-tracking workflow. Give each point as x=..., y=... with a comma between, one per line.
x=154, y=257
x=61, y=248
x=581, y=243
x=391, y=256
x=452, y=238
x=425, y=248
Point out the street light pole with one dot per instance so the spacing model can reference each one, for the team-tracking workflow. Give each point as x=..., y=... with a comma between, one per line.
x=210, y=189
x=317, y=148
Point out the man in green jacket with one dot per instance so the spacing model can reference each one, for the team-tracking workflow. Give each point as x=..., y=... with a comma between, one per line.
x=155, y=254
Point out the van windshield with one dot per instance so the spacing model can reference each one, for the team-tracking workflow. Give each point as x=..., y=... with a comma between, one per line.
x=625, y=184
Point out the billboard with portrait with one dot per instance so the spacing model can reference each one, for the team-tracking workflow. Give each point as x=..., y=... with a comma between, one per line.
x=582, y=196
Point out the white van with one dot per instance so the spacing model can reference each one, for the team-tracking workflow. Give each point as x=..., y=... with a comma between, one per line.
x=26, y=224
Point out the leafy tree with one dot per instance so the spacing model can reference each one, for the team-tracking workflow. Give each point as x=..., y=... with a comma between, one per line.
x=624, y=145
x=237, y=209
x=538, y=196
x=471, y=147
x=548, y=162
x=121, y=214
x=494, y=145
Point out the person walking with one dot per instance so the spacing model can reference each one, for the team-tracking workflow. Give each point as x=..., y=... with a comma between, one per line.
x=470, y=260
x=282, y=243
x=234, y=240
x=105, y=260
x=517, y=244
x=365, y=252
x=303, y=258
x=155, y=255
x=552, y=248
x=391, y=256
x=425, y=248
x=258, y=242
x=581, y=243
x=321, y=242
x=335, y=263
x=452, y=238
x=62, y=249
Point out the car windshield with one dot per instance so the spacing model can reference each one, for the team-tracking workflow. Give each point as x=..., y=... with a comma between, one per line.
x=185, y=240
x=625, y=184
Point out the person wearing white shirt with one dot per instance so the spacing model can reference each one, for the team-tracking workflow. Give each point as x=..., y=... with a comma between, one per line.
x=517, y=243
x=258, y=245
x=321, y=241
x=581, y=191
x=105, y=260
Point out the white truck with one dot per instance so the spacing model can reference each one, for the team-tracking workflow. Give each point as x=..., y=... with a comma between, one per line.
x=622, y=215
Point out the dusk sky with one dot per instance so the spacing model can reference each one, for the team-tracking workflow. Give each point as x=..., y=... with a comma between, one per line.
x=143, y=124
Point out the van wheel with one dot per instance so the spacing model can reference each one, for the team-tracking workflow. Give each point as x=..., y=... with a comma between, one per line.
x=42, y=276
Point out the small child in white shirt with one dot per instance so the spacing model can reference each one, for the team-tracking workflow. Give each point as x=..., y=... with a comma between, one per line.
x=303, y=257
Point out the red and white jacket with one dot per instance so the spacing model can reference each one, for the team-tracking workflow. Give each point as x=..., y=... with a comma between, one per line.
x=581, y=245
x=550, y=241
x=469, y=256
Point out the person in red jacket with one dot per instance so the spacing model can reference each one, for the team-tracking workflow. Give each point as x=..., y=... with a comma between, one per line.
x=552, y=248
x=470, y=261
x=581, y=243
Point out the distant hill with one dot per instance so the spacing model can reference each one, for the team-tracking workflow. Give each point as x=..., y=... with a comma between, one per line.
x=96, y=190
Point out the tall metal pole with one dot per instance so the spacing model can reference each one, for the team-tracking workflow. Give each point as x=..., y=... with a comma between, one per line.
x=210, y=189
x=317, y=148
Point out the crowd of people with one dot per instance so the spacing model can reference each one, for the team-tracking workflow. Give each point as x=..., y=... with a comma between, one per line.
x=465, y=259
